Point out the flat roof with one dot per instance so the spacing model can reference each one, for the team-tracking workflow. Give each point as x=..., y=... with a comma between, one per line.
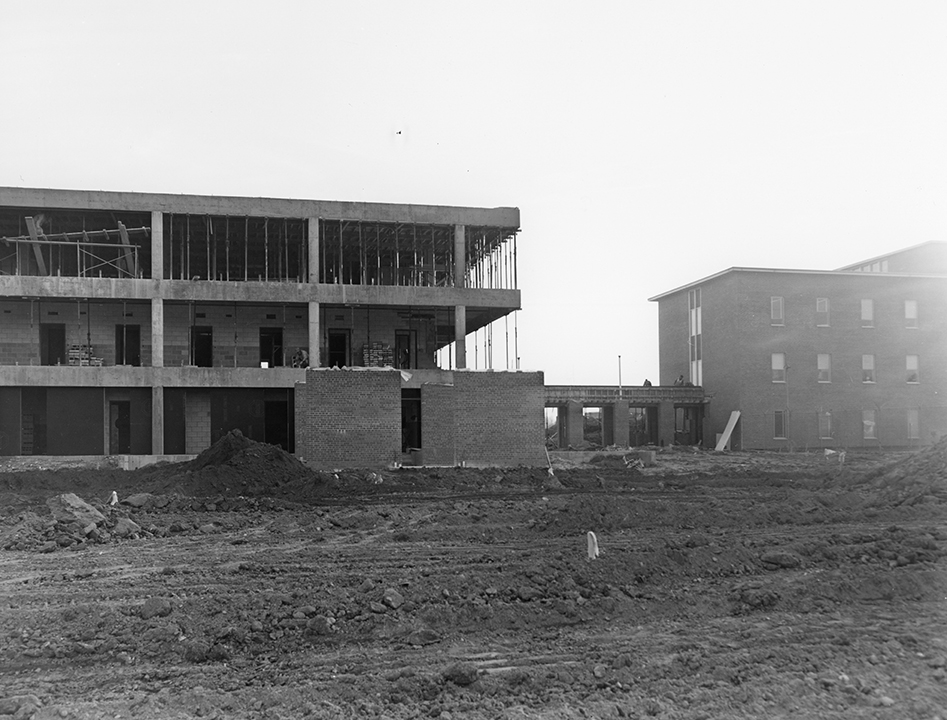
x=783, y=271
x=51, y=198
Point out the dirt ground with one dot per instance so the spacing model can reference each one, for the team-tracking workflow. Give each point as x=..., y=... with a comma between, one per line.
x=244, y=585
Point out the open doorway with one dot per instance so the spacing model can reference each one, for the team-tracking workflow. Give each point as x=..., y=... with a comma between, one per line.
x=338, y=348
x=128, y=345
x=120, y=425
x=271, y=347
x=52, y=344
x=276, y=421
x=202, y=346
x=406, y=349
x=410, y=420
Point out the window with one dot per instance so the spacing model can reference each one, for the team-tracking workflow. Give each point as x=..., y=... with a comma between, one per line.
x=868, y=425
x=910, y=313
x=825, y=367
x=779, y=425
x=822, y=312
x=911, y=366
x=779, y=367
x=776, y=310
x=868, y=368
x=694, y=337
x=914, y=425
x=868, y=313
x=825, y=425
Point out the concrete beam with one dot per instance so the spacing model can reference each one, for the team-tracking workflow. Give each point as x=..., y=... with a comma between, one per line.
x=508, y=217
x=460, y=337
x=125, y=376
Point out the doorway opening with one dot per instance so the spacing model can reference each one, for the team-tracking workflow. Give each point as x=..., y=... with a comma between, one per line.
x=128, y=345
x=406, y=349
x=276, y=422
x=52, y=344
x=202, y=346
x=271, y=347
x=410, y=420
x=338, y=348
x=120, y=426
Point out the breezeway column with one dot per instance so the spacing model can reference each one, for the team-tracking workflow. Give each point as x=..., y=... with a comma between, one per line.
x=157, y=333
x=314, y=335
x=460, y=311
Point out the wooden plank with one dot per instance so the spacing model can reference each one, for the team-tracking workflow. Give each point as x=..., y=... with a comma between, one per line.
x=128, y=257
x=37, y=250
x=728, y=431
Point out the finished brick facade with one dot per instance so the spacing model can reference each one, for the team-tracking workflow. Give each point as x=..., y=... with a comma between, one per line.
x=850, y=358
x=353, y=418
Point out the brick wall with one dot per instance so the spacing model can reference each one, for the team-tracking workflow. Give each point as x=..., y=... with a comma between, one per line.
x=739, y=339
x=349, y=418
x=197, y=421
x=437, y=424
x=499, y=418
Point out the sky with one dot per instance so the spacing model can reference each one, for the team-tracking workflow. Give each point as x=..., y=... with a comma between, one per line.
x=646, y=144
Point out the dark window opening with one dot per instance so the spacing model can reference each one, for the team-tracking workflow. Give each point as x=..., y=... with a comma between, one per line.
x=271, y=347
x=410, y=420
x=128, y=345
x=276, y=423
x=202, y=346
x=642, y=426
x=120, y=423
x=406, y=349
x=687, y=425
x=52, y=344
x=338, y=348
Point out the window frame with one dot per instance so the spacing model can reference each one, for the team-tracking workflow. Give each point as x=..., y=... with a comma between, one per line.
x=912, y=372
x=825, y=420
x=913, y=418
x=869, y=425
x=868, y=318
x=774, y=368
x=777, y=301
x=827, y=369
x=868, y=369
x=779, y=422
x=910, y=314
x=825, y=312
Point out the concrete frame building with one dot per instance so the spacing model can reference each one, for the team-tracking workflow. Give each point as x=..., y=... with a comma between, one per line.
x=854, y=357
x=152, y=324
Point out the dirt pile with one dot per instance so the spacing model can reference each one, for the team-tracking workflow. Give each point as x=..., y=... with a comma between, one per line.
x=920, y=477
x=233, y=466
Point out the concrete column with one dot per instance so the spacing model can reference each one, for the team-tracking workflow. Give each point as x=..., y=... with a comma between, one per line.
x=157, y=420
x=157, y=246
x=313, y=253
x=460, y=255
x=666, y=422
x=574, y=424
x=620, y=423
x=460, y=337
x=157, y=332
x=315, y=335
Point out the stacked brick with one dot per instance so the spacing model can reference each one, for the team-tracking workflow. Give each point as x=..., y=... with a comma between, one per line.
x=348, y=418
x=377, y=354
x=437, y=424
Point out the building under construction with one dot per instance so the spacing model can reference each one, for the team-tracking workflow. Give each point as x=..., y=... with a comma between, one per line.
x=150, y=324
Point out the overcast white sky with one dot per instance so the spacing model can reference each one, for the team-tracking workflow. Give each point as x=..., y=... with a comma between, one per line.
x=647, y=144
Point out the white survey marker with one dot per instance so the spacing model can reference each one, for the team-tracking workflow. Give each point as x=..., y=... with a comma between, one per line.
x=593, y=546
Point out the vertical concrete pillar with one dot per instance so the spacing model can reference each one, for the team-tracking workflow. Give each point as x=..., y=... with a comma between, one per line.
x=574, y=425
x=460, y=255
x=315, y=337
x=666, y=422
x=313, y=253
x=620, y=423
x=157, y=245
x=157, y=332
x=460, y=337
x=157, y=420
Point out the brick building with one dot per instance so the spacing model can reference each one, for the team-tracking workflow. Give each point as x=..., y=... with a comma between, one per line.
x=152, y=324
x=854, y=357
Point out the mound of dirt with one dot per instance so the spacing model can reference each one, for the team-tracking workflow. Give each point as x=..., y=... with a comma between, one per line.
x=234, y=466
x=920, y=477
